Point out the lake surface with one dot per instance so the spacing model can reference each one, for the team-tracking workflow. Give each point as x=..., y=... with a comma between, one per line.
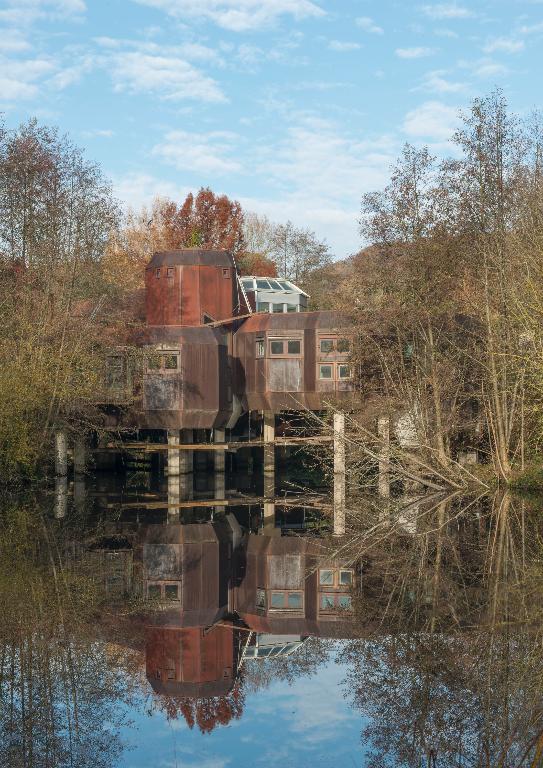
x=135, y=635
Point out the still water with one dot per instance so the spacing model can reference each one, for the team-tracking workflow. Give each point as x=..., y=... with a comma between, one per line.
x=135, y=636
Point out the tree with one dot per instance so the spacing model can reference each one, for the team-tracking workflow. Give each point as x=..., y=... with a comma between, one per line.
x=298, y=252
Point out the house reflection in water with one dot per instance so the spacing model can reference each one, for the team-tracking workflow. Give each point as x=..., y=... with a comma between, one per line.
x=222, y=596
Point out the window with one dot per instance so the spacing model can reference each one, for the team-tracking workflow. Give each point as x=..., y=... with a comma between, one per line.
x=286, y=286
x=275, y=285
x=226, y=273
x=294, y=347
x=261, y=599
x=153, y=362
x=276, y=347
x=335, y=601
x=343, y=345
x=153, y=592
x=170, y=272
x=325, y=371
x=115, y=372
x=327, y=346
x=345, y=578
x=327, y=602
x=170, y=673
x=263, y=306
x=277, y=307
x=260, y=348
x=248, y=284
x=326, y=577
x=263, y=285
x=157, y=272
x=345, y=602
x=344, y=371
x=292, y=308
x=287, y=601
x=171, y=592
x=170, y=362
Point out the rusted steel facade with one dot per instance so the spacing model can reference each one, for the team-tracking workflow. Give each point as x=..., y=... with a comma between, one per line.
x=204, y=366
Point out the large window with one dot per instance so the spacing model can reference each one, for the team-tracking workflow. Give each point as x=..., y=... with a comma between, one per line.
x=290, y=347
x=326, y=346
x=260, y=347
x=263, y=306
x=334, y=602
x=116, y=372
x=168, y=592
x=277, y=308
x=287, y=601
x=162, y=361
x=335, y=371
x=336, y=577
x=326, y=371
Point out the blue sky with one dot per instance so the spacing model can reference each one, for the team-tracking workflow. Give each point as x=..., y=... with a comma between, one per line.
x=307, y=724
x=295, y=107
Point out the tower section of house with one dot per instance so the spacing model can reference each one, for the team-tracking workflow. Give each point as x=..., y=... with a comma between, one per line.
x=190, y=286
x=292, y=361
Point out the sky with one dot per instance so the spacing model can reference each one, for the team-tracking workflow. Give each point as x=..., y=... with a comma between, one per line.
x=294, y=107
x=308, y=723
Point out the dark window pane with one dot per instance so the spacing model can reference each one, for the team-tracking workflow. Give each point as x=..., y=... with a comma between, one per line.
x=343, y=345
x=346, y=578
x=171, y=591
x=157, y=272
x=115, y=372
x=277, y=307
x=327, y=602
x=294, y=347
x=327, y=345
x=170, y=362
x=325, y=372
x=344, y=371
x=326, y=577
x=276, y=347
x=153, y=363
x=153, y=591
x=292, y=307
x=263, y=306
x=263, y=285
x=345, y=602
x=170, y=272
x=286, y=285
x=260, y=347
x=278, y=599
x=295, y=600
x=260, y=598
x=275, y=285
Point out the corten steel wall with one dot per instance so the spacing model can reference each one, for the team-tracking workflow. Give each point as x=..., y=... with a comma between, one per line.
x=199, y=394
x=202, y=661
x=197, y=555
x=185, y=286
x=254, y=377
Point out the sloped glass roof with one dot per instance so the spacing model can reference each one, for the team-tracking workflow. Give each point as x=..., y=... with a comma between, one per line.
x=270, y=285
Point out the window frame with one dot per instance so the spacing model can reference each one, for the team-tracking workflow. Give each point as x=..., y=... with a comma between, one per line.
x=339, y=366
x=326, y=365
x=285, y=593
x=260, y=348
x=324, y=340
x=161, y=355
x=286, y=340
x=259, y=305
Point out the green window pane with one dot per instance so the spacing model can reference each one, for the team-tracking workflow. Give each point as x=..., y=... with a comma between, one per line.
x=291, y=307
x=343, y=345
x=171, y=591
x=171, y=362
x=153, y=591
x=294, y=347
x=327, y=345
x=276, y=347
x=344, y=371
x=346, y=578
x=325, y=372
x=327, y=602
x=277, y=600
x=263, y=306
x=277, y=307
x=345, y=602
x=326, y=577
x=295, y=600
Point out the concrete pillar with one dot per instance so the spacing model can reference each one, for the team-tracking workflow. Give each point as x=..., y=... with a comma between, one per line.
x=219, y=436
x=61, y=496
x=269, y=469
x=383, y=431
x=80, y=456
x=61, y=453
x=173, y=455
x=339, y=474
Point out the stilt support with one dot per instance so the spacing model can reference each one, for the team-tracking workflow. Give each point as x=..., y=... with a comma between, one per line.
x=219, y=436
x=383, y=431
x=269, y=471
x=339, y=474
x=61, y=453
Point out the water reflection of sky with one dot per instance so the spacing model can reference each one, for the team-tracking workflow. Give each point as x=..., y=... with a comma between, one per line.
x=308, y=723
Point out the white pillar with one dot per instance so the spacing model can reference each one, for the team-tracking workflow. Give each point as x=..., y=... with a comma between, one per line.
x=61, y=496
x=269, y=469
x=383, y=431
x=173, y=455
x=339, y=474
x=61, y=454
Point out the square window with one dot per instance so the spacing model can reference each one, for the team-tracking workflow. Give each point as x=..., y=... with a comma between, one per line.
x=295, y=600
x=327, y=602
x=261, y=599
x=291, y=307
x=277, y=307
x=170, y=674
x=226, y=273
x=260, y=347
x=170, y=272
x=263, y=306
x=153, y=591
x=326, y=577
x=327, y=346
x=345, y=578
x=294, y=347
x=153, y=362
x=343, y=345
x=157, y=272
x=171, y=362
x=278, y=600
x=171, y=591
x=345, y=602
x=325, y=371
x=344, y=371
x=263, y=285
x=277, y=347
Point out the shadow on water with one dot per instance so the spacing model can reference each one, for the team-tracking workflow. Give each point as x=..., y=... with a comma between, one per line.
x=431, y=606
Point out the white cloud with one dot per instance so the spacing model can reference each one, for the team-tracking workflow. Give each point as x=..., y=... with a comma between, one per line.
x=342, y=47
x=104, y=133
x=368, y=25
x=447, y=11
x=504, y=45
x=137, y=188
x=414, y=53
x=237, y=15
x=435, y=82
x=431, y=120
x=169, y=77
x=19, y=80
x=26, y=12
x=205, y=153
x=13, y=42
